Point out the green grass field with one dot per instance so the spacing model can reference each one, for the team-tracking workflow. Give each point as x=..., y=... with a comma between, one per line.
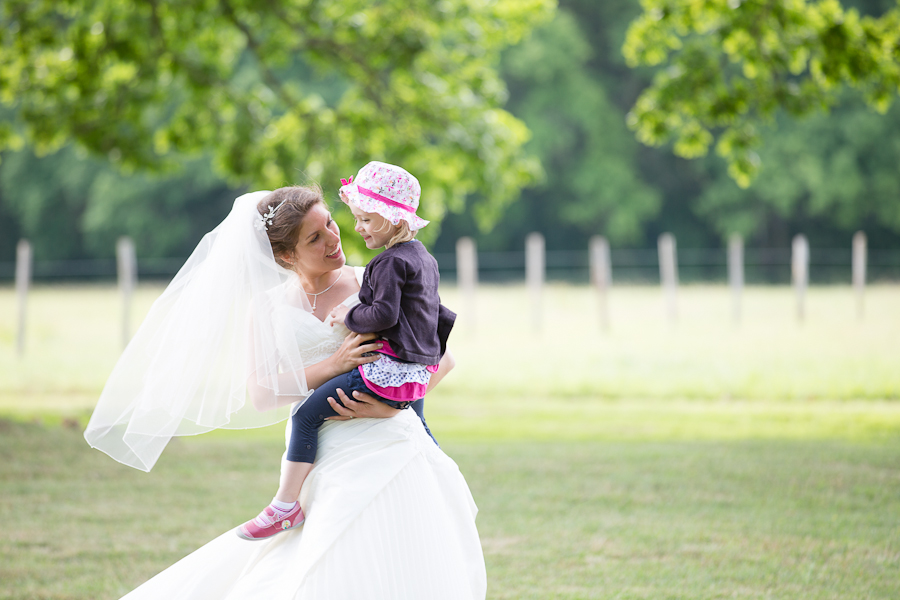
x=695, y=460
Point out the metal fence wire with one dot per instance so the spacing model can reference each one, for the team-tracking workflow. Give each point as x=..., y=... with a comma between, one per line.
x=629, y=266
x=695, y=265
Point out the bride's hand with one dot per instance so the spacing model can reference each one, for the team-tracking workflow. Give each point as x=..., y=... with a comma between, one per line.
x=361, y=405
x=350, y=354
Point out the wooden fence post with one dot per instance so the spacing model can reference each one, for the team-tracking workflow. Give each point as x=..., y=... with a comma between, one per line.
x=736, y=272
x=859, y=270
x=23, y=282
x=467, y=276
x=534, y=273
x=668, y=273
x=126, y=267
x=601, y=275
x=800, y=272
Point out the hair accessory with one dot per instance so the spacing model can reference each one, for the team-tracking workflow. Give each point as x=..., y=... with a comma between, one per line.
x=260, y=223
x=387, y=190
x=347, y=181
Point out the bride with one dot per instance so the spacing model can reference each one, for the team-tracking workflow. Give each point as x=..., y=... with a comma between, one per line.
x=388, y=514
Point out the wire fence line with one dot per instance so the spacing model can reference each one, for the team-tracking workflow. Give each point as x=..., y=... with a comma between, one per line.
x=629, y=265
x=598, y=264
x=641, y=265
x=94, y=269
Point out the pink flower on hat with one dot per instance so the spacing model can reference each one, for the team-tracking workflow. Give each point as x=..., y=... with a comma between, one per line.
x=387, y=190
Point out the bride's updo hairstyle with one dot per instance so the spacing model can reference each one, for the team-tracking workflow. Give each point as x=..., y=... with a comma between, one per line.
x=285, y=228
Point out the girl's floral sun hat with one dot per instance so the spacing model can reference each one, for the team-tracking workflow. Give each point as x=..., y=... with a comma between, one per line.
x=387, y=190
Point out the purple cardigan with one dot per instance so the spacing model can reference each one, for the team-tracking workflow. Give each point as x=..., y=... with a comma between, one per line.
x=399, y=301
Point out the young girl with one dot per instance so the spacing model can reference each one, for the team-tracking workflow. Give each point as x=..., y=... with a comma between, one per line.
x=399, y=301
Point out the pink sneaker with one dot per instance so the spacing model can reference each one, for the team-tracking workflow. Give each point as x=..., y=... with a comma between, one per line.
x=269, y=522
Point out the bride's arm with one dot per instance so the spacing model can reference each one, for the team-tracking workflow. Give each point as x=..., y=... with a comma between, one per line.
x=346, y=358
x=364, y=405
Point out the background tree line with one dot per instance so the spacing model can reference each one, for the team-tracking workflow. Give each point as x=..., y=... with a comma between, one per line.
x=826, y=174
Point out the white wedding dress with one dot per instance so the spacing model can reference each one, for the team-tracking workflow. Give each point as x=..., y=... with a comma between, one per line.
x=388, y=517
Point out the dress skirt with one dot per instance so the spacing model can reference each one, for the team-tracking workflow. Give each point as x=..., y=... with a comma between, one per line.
x=388, y=516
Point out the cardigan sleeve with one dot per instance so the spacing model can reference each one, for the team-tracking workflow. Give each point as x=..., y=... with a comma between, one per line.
x=386, y=278
x=446, y=319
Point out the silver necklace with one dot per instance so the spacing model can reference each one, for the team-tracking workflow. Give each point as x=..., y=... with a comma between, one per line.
x=316, y=296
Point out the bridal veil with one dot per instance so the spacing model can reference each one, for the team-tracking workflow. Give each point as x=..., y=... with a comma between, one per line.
x=214, y=335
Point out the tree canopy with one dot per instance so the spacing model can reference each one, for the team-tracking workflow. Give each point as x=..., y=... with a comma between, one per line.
x=579, y=135
x=827, y=174
x=276, y=92
x=726, y=66
x=836, y=171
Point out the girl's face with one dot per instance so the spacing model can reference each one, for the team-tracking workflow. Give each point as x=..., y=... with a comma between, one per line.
x=376, y=231
x=318, y=248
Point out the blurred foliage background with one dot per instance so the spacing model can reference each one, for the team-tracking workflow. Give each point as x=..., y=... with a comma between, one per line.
x=147, y=119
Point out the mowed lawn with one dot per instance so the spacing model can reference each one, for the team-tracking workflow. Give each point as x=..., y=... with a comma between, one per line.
x=702, y=459
x=562, y=519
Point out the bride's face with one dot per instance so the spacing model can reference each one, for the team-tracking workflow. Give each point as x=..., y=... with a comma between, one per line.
x=318, y=248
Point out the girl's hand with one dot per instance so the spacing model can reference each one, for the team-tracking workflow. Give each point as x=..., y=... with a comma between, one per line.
x=337, y=314
x=350, y=354
x=361, y=405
